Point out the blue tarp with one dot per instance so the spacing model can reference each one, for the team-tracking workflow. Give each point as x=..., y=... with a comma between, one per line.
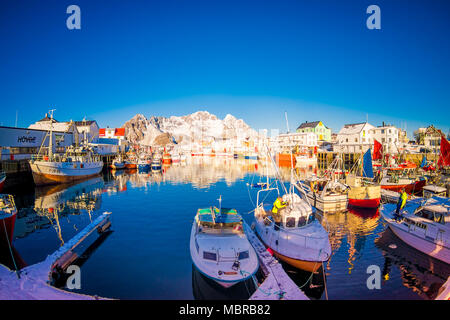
x=367, y=164
x=424, y=162
x=219, y=217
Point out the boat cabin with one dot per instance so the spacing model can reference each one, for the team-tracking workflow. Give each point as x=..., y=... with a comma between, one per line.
x=7, y=205
x=432, y=191
x=214, y=220
x=436, y=213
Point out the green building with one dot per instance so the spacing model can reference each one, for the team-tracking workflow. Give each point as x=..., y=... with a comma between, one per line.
x=323, y=133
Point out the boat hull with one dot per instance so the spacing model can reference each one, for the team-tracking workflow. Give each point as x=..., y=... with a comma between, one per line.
x=2, y=183
x=415, y=187
x=310, y=266
x=117, y=166
x=364, y=196
x=45, y=173
x=430, y=248
x=364, y=203
x=329, y=204
x=7, y=229
x=130, y=165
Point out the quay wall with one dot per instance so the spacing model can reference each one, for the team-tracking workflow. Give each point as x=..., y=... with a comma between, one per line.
x=326, y=158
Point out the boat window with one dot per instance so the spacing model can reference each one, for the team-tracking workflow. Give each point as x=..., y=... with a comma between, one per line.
x=243, y=255
x=290, y=222
x=302, y=221
x=209, y=255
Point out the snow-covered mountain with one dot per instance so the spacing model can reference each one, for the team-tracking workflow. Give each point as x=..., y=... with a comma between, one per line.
x=196, y=127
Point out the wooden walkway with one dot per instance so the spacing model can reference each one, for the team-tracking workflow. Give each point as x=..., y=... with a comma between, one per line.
x=34, y=280
x=277, y=284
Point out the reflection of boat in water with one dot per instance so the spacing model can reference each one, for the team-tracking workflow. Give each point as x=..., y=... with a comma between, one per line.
x=312, y=284
x=420, y=272
x=424, y=224
x=54, y=201
x=365, y=213
x=69, y=195
x=204, y=288
x=219, y=247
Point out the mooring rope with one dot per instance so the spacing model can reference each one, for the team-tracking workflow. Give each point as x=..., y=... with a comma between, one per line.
x=10, y=249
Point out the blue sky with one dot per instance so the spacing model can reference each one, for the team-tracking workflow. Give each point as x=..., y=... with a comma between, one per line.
x=253, y=59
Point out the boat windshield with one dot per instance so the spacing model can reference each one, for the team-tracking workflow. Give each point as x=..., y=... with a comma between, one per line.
x=431, y=215
x=213, y=220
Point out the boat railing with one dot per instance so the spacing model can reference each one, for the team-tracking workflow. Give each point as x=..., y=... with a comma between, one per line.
x=7, y=201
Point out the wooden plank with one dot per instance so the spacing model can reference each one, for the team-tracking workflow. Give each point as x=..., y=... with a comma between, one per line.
x=277, y=284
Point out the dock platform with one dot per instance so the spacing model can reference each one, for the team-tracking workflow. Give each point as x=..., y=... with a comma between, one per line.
x=33, y=282
x=277, y=284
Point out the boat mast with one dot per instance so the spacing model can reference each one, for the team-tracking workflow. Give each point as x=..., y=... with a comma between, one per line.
x=50, y=142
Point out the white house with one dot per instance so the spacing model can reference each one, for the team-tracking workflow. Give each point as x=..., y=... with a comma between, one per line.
x=355, y=137
x=88, y=130
x=388, y=136
x=302, y=139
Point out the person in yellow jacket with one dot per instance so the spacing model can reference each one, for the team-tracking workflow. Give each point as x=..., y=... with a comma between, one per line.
x=277, y=206
x=401, y=201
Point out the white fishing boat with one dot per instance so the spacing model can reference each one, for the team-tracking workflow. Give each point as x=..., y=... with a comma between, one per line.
x=75, y=164
x=326, y=195
x=219, y=247
x=298, y=239
x=424, y=224
x=156, y=164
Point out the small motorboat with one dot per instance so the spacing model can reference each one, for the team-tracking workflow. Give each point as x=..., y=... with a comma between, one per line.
x=219, y=246
x=117, y=164
x=8, y=213
x=424, y=224
x=167, y=158
x=176, y=158
x=143, y=165
x=156, y=164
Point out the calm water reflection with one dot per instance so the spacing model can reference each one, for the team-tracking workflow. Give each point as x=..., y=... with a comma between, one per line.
x=147, y=254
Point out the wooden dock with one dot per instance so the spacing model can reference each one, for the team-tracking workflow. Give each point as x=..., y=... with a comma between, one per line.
x=444, y=292
x=33, y=282
x=277, y=284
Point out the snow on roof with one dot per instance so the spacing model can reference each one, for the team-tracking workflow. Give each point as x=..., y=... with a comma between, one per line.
x=354, y=128
x=57, y=126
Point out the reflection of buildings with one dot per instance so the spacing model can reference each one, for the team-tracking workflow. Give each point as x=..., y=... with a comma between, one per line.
x=53, y=202
x=355, y=226
x=419, y=272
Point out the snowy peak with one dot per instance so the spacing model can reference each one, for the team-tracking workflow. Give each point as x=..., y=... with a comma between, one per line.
x=193, y=127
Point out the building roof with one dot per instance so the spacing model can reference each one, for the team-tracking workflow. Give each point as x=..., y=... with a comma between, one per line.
x=310, y=125
x=47, y=118
x=84, y=123
x=56, y=126
x=353, y=128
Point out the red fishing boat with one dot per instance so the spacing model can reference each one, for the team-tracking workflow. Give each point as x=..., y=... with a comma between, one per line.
x=2, y=180
x=167, y=158
x=286, y=160
x=8, y=214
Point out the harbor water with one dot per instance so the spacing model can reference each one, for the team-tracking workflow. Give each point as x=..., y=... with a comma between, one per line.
x=146, y=256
